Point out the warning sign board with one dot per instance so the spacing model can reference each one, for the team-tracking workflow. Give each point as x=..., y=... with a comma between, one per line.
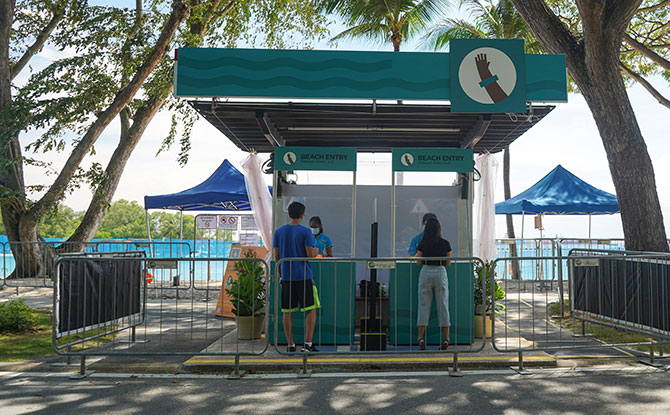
x=206, y=222
x=419, y=207
x=228, y=222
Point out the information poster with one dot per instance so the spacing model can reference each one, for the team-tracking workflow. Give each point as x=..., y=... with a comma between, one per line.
x=249, y=239
x=228, y=222
x=248, y=223
x=206, y=222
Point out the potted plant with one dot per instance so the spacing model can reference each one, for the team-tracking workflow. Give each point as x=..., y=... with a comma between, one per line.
x=485, y=284
x=248, y=296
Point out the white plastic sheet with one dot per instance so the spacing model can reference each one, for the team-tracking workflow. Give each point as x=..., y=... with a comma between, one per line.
x=259, y=198
x=484, y=242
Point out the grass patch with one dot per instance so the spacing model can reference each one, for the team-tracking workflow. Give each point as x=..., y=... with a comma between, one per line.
x=30, y=344
x=35, y=343
x=602, y=333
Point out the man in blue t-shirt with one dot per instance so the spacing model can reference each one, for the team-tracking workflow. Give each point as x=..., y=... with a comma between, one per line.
x=298, y=291
x=414, y=244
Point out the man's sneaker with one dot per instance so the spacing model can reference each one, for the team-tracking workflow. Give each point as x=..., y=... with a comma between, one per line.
x=309, y=349
x=290, y=349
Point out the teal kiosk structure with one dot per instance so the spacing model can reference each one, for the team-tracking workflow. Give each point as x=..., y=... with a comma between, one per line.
x=324, y=108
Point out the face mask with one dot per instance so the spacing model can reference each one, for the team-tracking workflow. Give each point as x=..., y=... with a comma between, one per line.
x=315, y=231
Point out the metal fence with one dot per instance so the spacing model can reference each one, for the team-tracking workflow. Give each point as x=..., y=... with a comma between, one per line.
x=30, y=264
x=359, y=317
x=104, y=305
x=599, y=305
x=596, y=299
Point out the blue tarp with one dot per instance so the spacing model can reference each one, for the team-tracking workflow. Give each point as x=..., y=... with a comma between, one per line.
x=223, y=190
x=560, y=193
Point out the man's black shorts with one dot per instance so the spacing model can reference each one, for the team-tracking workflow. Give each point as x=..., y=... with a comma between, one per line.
x=299, y=293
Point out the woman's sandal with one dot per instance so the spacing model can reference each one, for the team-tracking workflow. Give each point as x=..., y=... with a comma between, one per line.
x=422, y=344
x=445, y=345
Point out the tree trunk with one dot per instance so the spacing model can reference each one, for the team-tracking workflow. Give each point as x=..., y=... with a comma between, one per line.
x=593, y=63
x=630, y=165
x=22, y=222
x=516, y=273
x=131, y=135
x=104, y=192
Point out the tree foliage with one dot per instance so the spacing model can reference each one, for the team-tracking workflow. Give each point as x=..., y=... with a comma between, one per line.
x=384, y=20
x=591, y=33
x=490, y=19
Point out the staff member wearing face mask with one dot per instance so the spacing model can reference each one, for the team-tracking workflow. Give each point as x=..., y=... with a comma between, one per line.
x=321, y=241
x=413, y=245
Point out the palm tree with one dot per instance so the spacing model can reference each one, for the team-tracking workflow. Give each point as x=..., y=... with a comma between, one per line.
x=491, y=20
x=384, y=20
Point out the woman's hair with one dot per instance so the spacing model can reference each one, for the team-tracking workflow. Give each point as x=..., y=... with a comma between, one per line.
x=433, y=231
x=317, y=221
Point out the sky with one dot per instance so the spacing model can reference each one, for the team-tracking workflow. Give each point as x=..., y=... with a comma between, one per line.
x=567, y=136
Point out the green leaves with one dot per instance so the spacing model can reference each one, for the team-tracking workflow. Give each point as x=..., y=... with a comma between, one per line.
x=247, y=293
x=493, y=19
x=486, y=288
x=383, y=20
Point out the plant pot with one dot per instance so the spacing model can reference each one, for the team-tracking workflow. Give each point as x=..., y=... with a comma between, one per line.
x=249, y=327
x=479, y=326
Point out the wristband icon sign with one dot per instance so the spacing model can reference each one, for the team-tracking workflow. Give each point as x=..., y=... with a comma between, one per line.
x=487, y=75
x=407, y=159
x=290, y=158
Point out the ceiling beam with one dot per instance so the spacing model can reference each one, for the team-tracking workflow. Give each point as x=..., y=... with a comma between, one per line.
x=268, y=129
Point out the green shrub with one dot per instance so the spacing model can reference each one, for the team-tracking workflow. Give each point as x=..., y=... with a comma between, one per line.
x=16, y=317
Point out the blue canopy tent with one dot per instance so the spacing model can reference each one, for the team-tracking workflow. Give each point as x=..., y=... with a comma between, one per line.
x=224, y=190
x=560, y=193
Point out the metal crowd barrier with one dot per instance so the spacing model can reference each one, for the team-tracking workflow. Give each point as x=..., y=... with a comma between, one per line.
x=27, y=264
x=343, y=321
x=524, y=322
x=22, y=267
x=103, y=306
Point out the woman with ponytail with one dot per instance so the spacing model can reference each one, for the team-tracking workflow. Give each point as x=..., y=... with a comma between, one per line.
x=433, y=281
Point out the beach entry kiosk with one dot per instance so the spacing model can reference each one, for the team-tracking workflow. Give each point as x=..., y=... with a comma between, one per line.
x=317, y=110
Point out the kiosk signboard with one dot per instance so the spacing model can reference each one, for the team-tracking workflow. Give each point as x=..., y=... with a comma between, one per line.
x=315, y=158
x=487, y=75
x=433, y=159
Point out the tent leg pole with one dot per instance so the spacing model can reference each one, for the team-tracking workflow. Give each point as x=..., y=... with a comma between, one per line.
x=148, y=231
x=589, y=228
x=181, y=229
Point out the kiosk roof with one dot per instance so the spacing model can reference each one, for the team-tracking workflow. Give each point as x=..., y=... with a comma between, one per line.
x=367, y=126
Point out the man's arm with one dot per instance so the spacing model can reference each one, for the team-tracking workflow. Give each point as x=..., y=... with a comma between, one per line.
x=419, y=254
x=449, y=255
x=312, y=251
x=276, y=254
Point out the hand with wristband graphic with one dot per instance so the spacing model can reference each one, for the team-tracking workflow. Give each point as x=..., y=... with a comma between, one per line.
x=489, y=81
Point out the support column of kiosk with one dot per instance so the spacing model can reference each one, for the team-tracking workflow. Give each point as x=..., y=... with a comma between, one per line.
x=403, y=282
x=335, y=318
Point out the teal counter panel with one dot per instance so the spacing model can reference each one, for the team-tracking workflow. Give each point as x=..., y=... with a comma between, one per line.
x=403, y=292
x=336, y=284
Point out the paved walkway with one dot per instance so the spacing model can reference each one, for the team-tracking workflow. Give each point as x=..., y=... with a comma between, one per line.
x=611, y=391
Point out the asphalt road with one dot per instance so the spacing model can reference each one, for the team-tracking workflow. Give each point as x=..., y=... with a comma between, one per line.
x=612, y=391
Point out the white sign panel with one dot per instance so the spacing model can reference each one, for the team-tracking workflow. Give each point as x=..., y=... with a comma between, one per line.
x=248, y=223
x=228, y=222
x=249, y=239
x=206, y=222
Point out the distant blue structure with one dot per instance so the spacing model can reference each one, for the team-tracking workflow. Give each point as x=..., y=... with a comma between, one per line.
x=223, y=190
x=560, y=193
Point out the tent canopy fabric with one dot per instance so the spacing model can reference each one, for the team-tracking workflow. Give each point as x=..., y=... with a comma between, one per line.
x=223, y=190
x=560, y=193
